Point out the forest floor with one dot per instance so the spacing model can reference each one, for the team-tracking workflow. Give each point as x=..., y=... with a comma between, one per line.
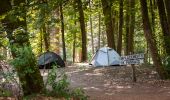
x=115, y=83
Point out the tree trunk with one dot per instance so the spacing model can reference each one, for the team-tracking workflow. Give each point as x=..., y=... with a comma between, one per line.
x=83, y=31
x=127, y=27
x=151, y=41
x=164, y=25
x=106, y=5
x=74, y=46
x=41, y=41
x=62, y=32
x=153, y=8
x=31, y=81
x=57, y=33
x=91, y=27
x=167, y=6
x=46, y=38
x=119, y=45
x=132, y=27
x=99, y=30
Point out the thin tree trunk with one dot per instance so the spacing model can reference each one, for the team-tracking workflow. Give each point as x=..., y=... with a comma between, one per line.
x=152, y=7
x=151, y=41
x=119, y=45
x=40, y=45
x=57, y=33
x=132, y=27
x=83, y=31
x=127, y=27
x=46, y=38
x=91, y=27
x=114, y=23
x=74, y=46
x=164, y=25
x=62, y=32
x=167, y=6
x=99, y=30
x=106, y=5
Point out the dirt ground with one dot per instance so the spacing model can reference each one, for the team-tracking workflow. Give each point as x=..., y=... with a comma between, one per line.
x=115, y=83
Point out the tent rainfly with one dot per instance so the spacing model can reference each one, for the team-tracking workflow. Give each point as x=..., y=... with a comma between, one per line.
x=105, y=56
x=48, y=59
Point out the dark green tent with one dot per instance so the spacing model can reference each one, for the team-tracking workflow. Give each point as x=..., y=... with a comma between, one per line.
x=48, y=59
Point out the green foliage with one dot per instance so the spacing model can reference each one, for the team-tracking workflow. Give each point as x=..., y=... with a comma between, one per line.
x=1, y=57
x=79, y=93
x=5, y=93
x=167, y=64
x=59, y=84
x=20, y=35
x=24, y=57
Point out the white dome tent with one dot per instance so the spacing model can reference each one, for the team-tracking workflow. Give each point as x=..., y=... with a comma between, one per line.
x=105, y=56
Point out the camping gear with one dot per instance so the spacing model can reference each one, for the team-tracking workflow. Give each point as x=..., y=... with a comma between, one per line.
x=48, y=59
x=105, y=56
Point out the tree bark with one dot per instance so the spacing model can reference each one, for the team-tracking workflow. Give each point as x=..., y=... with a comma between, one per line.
x=151, y=41
x=83, y=31
x=46, y=37
x=91, y=27
x=167, y=6
x=74, y=47
x=164, y=25
x=62, y=32
x=41, y=41
x=153, y=8
x=119, y=45
x=57, y=33
x=132, y=27
x=99, y=37
x=106, y=5
x=127, y=27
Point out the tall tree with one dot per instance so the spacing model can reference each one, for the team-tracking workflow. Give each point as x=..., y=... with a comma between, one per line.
x=167, y=3
x=164, y=25
x=153, y=8
x=99, y=35
x=107, y=11
x=151, y=41
x=119, y=45
x=62, y=31
x=91, y=26
x=46, y=37
x=127, y=25
x=57, y=32
x=28, y=72
x=44, y=26
x=132, y=27
x=83, y=30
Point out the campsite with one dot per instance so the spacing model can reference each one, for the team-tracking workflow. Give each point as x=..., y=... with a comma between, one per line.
x=84, y=50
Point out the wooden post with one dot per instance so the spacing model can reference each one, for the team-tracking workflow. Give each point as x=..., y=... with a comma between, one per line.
x=133, y=73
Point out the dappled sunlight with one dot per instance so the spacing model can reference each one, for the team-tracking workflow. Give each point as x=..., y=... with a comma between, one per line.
x=123, y=87
x=110, y=93
x=44, y=72
x=82, y=64
x=93, y=88
x=73, y=72
x=93, y=74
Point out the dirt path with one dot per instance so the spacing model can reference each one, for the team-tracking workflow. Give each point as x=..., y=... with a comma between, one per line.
x=114, y=83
